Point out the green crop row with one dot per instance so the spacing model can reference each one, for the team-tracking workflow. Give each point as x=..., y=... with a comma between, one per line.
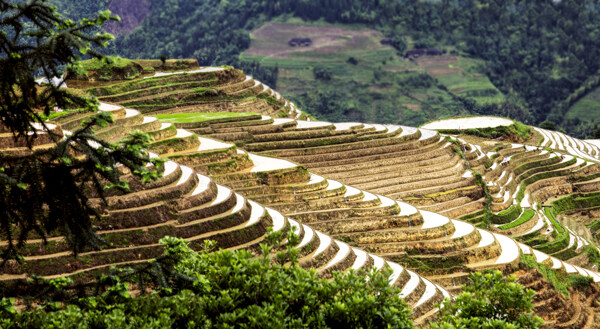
x=576, y=202
x=525, y=217
x=506, y=216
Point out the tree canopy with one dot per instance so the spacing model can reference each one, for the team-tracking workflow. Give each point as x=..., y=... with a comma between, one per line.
x=224, y=289
x=44, y=189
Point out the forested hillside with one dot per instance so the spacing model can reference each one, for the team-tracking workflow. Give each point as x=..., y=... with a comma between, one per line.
x=541, y=54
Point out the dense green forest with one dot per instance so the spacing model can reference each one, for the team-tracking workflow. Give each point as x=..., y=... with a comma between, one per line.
x=541, y=54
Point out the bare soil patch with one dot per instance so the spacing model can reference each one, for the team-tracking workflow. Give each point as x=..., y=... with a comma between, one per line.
x=414, y=107
x=442, y=71
x=436, y=61
x=132, y=13
x=272, y=39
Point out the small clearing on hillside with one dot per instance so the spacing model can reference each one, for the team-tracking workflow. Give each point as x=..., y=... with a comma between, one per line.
x=271, y=40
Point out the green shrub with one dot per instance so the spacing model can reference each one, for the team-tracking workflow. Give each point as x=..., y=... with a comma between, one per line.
x=580, y=281
x=557, y=279
x=490, y=300
x=593, y=254
x=576, y=201
x=226, y=289
x=595, y=226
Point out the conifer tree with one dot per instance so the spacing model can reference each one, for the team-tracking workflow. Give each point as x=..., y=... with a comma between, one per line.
x=46, y=191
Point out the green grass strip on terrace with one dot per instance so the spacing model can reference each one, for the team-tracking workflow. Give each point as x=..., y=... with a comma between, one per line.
x=525, y=216
x=198, y=117
x=550, y=214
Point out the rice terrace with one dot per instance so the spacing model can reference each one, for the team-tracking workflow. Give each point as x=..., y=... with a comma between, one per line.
x=369, y=184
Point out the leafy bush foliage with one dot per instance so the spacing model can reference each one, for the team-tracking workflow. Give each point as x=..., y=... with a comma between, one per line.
x=490, y=300
x=580, y=281
x=228, y=289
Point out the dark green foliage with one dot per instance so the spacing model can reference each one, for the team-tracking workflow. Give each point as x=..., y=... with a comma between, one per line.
x=560, y=242
x=227, y=289
x=576, y=201
x=108, y=69
x=44, y=190
x=266, y=75
x=580, y=281
x=59, y=43
x=322, y=73
x=593, y=254
x=490, y=300
x=548, y=125
x=596, y=132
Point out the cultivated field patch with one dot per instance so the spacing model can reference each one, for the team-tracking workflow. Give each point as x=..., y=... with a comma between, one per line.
x=271, y=40
x=587, y=108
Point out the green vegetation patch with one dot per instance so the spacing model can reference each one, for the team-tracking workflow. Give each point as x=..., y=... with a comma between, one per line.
x=507, y=215
x=587, y=109
x=463, y=77
x=224, y=289
x=577, y=201
x=350, y=78
x=108, y=69
x=198, y=117
x=525, y=217
x=550, y=214
x=559, y=243
x=515, y=132
x=557, y=279
x=96, y=64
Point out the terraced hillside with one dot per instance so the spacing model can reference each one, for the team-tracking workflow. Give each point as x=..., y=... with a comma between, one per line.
x=349, y=199
x=187, y=204
x=416, y=165
x=433, y=172
x=190, y=205
x=199, y=90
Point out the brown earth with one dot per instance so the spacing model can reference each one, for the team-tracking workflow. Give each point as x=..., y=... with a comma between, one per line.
x=436, y=61
x=132, y=13
x=272, y=39
x=414, y=107
x=440, y=71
